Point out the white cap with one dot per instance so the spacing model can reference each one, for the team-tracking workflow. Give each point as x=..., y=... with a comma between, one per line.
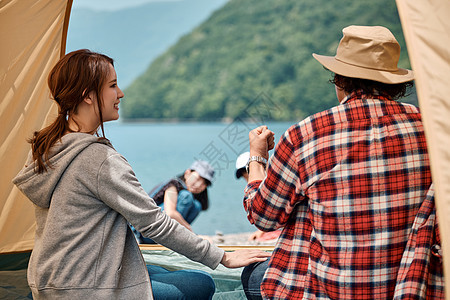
x=241, y=161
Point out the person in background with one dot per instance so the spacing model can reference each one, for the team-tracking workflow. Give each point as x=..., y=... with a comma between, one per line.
x=241, y=162
x=84, y=192
x=351, y=187
x=183, y=197
x=241, y=171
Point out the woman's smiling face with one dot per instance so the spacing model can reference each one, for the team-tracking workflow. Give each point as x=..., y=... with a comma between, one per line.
x=111, y=94
x=194, y=182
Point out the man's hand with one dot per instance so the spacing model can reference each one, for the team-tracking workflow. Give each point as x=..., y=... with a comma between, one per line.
x=261, y=141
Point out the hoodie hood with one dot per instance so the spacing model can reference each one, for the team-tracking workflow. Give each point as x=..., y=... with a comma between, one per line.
x=39, y=187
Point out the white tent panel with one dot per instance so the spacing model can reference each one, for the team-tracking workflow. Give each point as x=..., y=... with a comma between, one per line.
x=426, y=26
x=33, y=34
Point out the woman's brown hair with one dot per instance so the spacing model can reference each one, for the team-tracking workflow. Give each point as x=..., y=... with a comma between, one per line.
x=75, y=75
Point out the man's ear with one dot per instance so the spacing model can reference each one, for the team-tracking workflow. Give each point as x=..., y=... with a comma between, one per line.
x=187, y=173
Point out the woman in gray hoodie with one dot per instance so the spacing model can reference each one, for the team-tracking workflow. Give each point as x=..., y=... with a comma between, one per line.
x=84, y=194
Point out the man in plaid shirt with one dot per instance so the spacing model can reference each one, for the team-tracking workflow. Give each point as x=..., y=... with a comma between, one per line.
x=351, y=188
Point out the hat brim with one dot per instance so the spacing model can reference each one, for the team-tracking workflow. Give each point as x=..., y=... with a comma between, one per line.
x=344, y=69
x=204, y=175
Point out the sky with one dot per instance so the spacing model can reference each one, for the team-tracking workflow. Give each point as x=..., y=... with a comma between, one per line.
x=112, y=5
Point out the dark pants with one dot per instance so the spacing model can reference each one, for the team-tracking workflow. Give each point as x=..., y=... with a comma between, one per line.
x=251, y=279
x=182, y=284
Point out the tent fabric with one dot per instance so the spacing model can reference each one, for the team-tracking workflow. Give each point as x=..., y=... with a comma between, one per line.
x=33, y=35
x=426, y=29
x=14, y=285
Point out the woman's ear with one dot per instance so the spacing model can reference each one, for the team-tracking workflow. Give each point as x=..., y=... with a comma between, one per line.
x=89, y=98
x=187, y=173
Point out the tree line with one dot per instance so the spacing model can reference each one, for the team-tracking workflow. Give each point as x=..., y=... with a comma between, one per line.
x=249, y=47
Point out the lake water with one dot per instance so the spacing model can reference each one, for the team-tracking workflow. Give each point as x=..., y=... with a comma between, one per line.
x=159, y=151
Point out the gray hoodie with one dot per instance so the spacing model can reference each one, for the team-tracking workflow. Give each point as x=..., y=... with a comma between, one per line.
x=84, y=248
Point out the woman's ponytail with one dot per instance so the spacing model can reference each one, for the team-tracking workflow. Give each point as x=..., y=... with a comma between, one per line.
x=43, y=140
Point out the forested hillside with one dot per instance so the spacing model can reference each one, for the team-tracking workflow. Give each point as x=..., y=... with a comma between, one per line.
x=250, y=47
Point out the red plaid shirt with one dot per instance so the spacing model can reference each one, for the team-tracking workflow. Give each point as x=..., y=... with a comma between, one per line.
x=351, y=188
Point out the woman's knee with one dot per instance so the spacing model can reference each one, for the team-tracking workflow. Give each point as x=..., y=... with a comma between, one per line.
x=185, y=197
x=188, y=206
x=183, y=284
x=252, y=277
x=201, y=285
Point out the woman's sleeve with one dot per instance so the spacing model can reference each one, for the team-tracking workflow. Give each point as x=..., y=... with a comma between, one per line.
x=118, y=187
x=269, y=203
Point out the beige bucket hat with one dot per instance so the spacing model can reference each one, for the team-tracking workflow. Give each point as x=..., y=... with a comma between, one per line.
x=367, y=52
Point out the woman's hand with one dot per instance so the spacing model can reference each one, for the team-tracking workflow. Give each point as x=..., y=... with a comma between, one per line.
x=243, y=257
x=261, y=141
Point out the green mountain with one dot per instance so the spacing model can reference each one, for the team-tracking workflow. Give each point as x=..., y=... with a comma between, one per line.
x=254, y=48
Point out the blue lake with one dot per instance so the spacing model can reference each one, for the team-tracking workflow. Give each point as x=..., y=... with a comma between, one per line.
x=159, y=151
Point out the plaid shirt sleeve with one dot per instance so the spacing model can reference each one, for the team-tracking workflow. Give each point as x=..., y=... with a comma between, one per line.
x=280, y=186
x=420, y=273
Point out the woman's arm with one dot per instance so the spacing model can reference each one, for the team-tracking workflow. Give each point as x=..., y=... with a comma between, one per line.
x=243, y=257
x=118, y=187
x=170, y=206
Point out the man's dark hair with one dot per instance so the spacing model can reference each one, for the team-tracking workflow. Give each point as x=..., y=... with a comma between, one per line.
x=393, y=91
